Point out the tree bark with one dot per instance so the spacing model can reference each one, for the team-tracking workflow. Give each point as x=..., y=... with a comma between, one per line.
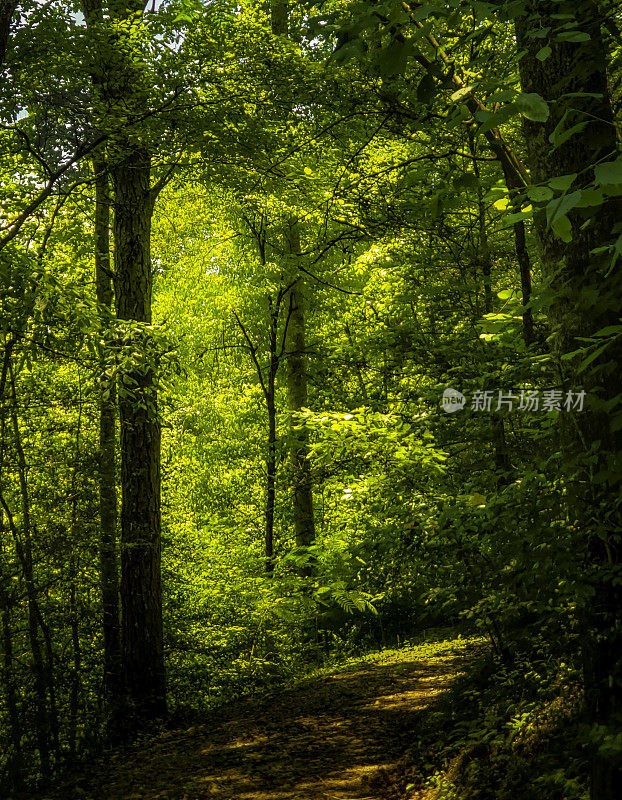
x=141, y=598
x=584, y=302
x=302, y=485
x=108, y=559
x=270, y=391
x=270, y=482
x=524, y=264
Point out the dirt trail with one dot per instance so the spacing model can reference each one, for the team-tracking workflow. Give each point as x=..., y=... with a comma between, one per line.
x=332, y=737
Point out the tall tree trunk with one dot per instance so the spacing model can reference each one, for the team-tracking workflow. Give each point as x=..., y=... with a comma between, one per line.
x=141, y=597
x=108, y=554
x=15, y=759
x=140, y=587
x=584, y=303
x=109, y=569
x=270, y=482
x=9, y=682
x=270, y=391
x=502, y=457
x=23, y=548
x=302, y=486
x=74, y=619
x=7, y=9
x=515, y=187
x=524, y=263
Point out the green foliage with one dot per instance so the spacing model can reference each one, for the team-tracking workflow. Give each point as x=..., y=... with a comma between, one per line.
x=355, y=161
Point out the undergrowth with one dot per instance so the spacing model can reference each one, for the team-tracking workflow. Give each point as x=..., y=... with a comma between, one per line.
x=504, y=731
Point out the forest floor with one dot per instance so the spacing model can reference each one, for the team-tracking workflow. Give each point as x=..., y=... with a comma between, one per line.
x=337, y=735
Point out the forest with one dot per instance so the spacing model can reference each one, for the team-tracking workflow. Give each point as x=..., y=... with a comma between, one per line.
x=310, y=399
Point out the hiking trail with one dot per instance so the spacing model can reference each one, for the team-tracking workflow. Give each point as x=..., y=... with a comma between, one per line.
x=333, y=736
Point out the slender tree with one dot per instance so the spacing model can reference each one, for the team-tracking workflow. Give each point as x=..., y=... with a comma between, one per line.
x=302, y=487
x=107, y=443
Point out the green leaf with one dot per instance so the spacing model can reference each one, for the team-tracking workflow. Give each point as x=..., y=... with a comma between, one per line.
x=502, y=96
x=394, y=58
x=561, y=227
x=351, y=49
x=560, y=207
x=539, y=194
x=521, y=216
x=533, y=107
x=562, y=182
x=573, y=36
x=557, y=138
x=609, y=330
x=590, y=198
x=593, y=356
x=497, y=118
x=544, y=53
x=466, y=181
x=426, y=89
x=608, y=173
x=435, y=205
x=461, y=93
x=617, y=252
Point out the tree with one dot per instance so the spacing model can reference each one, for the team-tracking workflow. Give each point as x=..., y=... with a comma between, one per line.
x=297, y=398
x=107, y=443
x=129, y=161
x=7, y=9
x=577, y=240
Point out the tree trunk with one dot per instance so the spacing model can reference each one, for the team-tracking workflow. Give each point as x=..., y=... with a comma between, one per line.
x=302, y=493
x=584, y=303
x=270, y=482
x=7, y=9
x=15, y=759
x=140, y=587
x=271, y=456
x=302, y=486
x=109, y=569
x=15, y=762
x=502, y=458
x=141, y=599
x=524, y=263
x=108, y=555
x=23, y=547
x=74, y=619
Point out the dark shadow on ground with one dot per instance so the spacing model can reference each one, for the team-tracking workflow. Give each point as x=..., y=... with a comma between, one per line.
x=326, y=738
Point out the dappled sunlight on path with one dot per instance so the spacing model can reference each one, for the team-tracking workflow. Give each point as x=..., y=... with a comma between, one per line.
x=331, y=737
